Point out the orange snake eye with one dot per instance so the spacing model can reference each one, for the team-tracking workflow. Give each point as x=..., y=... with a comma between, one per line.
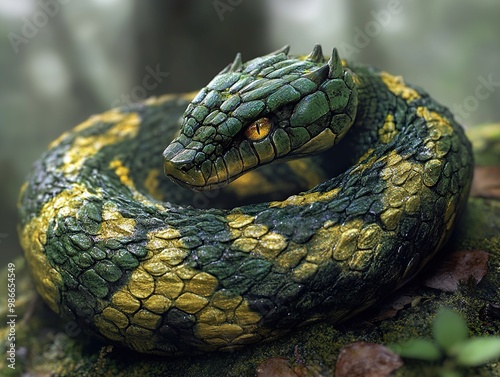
x=258, y=129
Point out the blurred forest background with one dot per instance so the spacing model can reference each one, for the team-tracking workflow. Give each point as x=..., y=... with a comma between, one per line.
x=64, y=60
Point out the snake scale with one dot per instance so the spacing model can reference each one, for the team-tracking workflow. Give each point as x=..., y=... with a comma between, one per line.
x=139, y=260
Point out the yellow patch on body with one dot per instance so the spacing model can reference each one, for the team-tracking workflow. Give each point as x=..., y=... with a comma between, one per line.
x=405, y=186
x=255, y=238
x=152, y=184
x=439, y=143
x=114, y=225
x=33, y=238
x=440, y=131
x=388, y=131
x=163, y=281
x=238, y=220
x=125, y=126
x=306, y=198
x=251, y=183
x=364, y=163
x=123, y=173
x=127, y=122
x=158, y=101
x=397, y=86
x=153, y=286
x=353, y=243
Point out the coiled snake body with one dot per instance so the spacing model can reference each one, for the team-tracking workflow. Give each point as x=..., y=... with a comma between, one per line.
x=134, y=258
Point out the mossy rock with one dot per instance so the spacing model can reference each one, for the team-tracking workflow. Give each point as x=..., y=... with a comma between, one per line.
x=47, y=346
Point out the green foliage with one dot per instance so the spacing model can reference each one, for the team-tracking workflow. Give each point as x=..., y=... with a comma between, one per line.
x=478, y=351
x=421, y=349
x=449, y=329
x=451, y=346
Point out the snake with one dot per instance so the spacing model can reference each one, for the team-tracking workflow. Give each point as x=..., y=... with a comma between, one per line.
x=360, y=180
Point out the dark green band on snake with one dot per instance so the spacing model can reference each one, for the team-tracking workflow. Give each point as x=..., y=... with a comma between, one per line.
x=141, y=261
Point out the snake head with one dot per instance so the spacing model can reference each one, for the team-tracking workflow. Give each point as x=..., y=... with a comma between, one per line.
x=271, y=108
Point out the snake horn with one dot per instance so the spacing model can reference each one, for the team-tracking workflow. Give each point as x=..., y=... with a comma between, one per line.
x=316, y=55
x=283, y=49
x=318, y=75
x=236, y=63
x=335, y=65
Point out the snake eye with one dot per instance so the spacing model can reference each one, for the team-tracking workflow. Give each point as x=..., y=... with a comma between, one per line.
x=258, y=129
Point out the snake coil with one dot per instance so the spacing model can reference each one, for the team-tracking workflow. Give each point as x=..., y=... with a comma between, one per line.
x=131, y=256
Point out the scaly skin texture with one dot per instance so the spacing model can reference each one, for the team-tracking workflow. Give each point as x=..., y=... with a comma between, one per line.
x=132, y=257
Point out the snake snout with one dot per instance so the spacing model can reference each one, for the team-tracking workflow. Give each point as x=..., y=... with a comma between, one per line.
x=178, y=164
x=184, y=174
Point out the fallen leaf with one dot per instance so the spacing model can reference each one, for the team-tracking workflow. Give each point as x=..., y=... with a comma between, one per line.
x=362, y=359
x=275, y=367
x=458, y=267
x=392, y=308
x=486, y=182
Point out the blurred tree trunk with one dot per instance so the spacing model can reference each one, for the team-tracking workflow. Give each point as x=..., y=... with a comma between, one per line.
x=194, y=40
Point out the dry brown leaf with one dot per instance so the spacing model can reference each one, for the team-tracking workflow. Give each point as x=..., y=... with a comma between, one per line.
x=275, y=367
x=392, y=308
x=458, y=267
x=362, y=359
x=486, y=182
